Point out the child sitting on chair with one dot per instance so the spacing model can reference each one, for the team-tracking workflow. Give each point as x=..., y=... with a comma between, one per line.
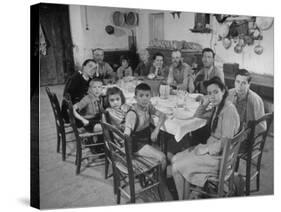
x=138, y=125
x=117, y=108
x=125, y=69
x=90, y=109
x=90, y=106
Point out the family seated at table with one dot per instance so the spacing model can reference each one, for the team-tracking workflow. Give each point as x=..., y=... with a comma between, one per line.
x=226, y=112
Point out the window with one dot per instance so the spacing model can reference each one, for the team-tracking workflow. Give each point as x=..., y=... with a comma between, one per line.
x=156, y=26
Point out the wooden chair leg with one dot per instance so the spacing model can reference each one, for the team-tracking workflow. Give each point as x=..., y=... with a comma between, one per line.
x=237, y=164
x=161, y=193
x=248, y=177
x=78, y=160
x=133, y=198
x=63, y=146
x=106, y=165
x=258, y=182
x=58, y=141
x=117, y=190
x=162, y=177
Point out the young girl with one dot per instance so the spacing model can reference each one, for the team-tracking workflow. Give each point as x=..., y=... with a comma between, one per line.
x=195, y=165
x=117, y=109
x=125, y=69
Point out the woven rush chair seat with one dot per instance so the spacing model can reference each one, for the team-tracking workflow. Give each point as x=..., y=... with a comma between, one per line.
x=133, y=174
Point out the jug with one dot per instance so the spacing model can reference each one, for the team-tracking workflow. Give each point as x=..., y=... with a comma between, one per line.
x=164, y=91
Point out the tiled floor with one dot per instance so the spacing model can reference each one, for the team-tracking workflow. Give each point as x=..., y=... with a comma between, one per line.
x=60, y=187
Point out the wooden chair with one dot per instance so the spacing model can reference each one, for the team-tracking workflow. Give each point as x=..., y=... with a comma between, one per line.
x=108, y=159
x=224, y=184
x=133, y=175
x=62, y=128
x=82, y=140
x=252, y=151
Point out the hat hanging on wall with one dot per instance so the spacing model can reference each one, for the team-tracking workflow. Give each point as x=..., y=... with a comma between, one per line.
x=109, y=29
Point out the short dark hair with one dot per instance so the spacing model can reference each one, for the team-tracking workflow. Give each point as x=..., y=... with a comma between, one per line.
x=209, y=50
x=142, y=87
x=215, y=80
x=244, y=72
x=95, y=80
x=113, y=91
x=87, y=61
x=98, y=49
x=157, y=54
x=124, y=57
x=176, y=50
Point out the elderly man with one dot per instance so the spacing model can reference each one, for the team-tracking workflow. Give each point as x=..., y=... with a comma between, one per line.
x=180, y=73
x=104, y=70
x=208, y=71
x=157, y=67
x=248, y=103
x=143, y=67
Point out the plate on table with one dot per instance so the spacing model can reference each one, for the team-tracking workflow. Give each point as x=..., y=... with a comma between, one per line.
x=183, y=114
x=166, y=110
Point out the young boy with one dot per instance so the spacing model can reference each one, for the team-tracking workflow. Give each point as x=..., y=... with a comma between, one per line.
x=138, y=125
x=90, y=109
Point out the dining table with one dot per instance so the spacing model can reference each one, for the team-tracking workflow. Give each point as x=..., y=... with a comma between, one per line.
x=179, y=108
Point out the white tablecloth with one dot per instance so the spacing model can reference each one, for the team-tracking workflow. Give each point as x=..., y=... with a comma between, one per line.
x=180, y=119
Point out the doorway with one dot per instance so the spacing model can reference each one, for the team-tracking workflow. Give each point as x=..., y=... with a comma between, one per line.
x=56, y=64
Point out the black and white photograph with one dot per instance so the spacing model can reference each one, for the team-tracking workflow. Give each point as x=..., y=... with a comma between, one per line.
x=133, y=106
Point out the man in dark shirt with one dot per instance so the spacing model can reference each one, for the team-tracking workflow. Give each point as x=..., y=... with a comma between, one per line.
x=77, y=85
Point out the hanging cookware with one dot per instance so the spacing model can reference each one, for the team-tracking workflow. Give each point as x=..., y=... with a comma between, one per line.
x=118, y=18
x=256, y=33
x=238, y=49
x=258, y=49
x=131, y=19
x=248, y=40
x=226, y=43
x=109, y=29
x=241, y=42
x=264, y=23
x=223, y=30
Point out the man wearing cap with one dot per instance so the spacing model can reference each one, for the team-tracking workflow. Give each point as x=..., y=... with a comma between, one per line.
x=104, y=70
x=180, y=73
x=208, y=71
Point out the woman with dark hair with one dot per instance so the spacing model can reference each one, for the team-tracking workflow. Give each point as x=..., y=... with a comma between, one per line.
x=196, y=164
x=125, y=69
